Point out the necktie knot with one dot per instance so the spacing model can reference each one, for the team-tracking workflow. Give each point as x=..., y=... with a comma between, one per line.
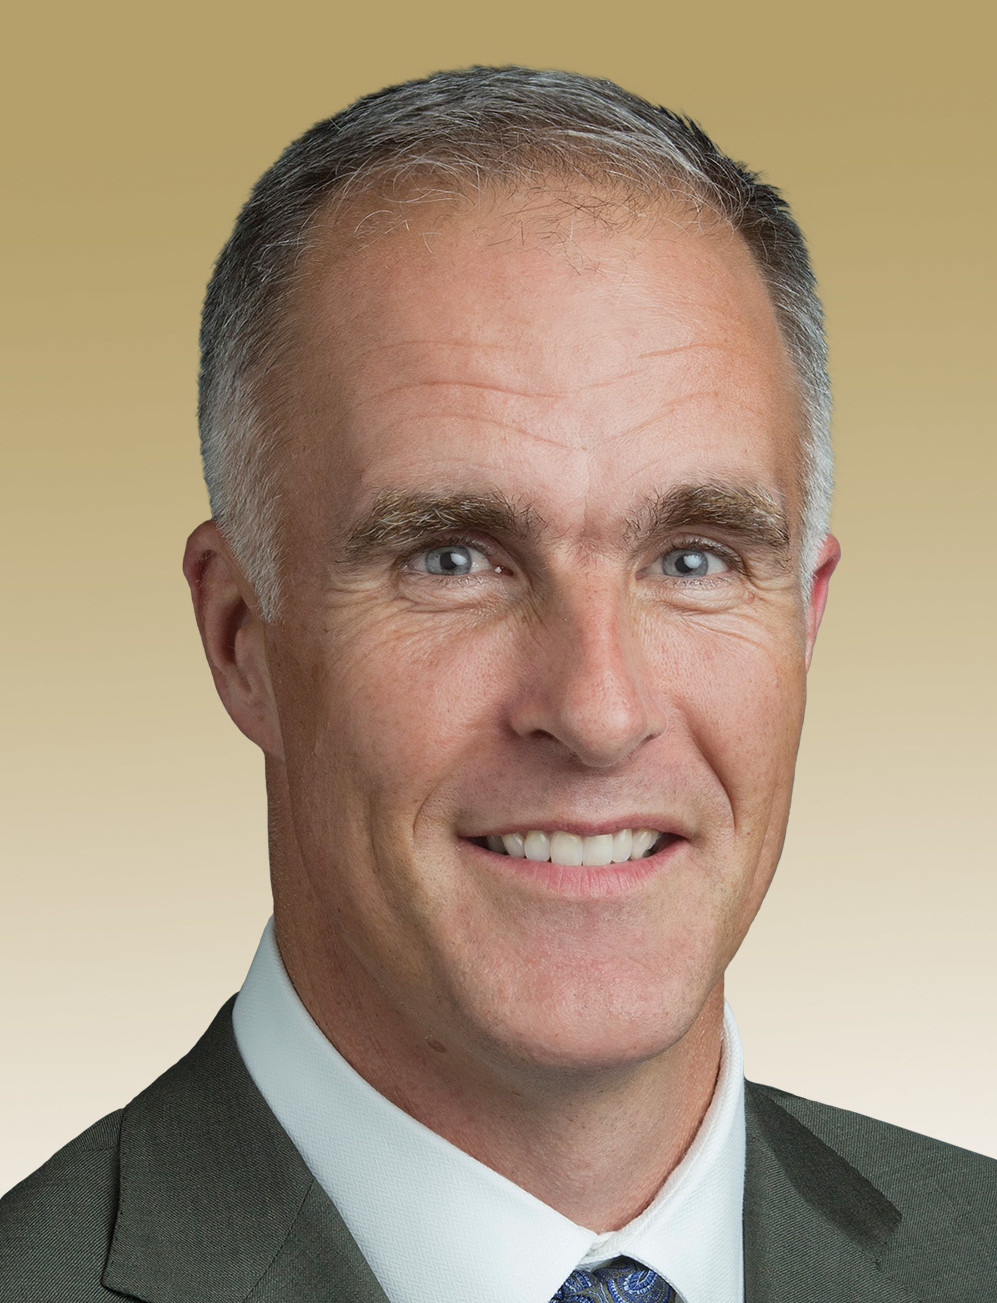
x=619, y=1281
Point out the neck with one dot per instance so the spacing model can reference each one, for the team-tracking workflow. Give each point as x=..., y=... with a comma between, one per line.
x=595, y=1143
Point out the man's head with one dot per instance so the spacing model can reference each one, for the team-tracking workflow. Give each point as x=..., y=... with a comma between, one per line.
x=539, y=450
x=456, y=134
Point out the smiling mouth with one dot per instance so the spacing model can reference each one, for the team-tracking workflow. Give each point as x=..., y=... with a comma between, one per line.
x=569, y=849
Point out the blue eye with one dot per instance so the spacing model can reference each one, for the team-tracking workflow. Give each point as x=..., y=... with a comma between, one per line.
x=452, y=559
x=693, y=563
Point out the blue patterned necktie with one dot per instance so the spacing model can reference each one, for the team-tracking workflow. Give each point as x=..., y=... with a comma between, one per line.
x=619, y=1281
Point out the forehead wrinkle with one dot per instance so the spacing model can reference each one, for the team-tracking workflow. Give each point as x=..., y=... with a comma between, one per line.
x=747, y=509
x=485, y=386
x=405, y=385
x=691, y=347
x=507, y=426
x=397, y=518
x=481, y=347
x=664, y=406
x=420, y=341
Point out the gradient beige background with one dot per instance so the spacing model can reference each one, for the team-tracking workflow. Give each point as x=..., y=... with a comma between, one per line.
x=135, y=877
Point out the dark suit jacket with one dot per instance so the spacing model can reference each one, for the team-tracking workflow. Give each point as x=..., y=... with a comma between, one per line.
x=194, y=1194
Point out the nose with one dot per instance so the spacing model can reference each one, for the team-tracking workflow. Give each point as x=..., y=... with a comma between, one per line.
x=587, y=684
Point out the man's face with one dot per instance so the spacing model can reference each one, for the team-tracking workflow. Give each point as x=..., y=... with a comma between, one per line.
x=541, y=583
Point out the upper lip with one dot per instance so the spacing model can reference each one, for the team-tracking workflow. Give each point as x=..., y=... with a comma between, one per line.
x=580, y=827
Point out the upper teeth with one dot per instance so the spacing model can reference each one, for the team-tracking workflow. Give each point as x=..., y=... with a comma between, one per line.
x=568, y=848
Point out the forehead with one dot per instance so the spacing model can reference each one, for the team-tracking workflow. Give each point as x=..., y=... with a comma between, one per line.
x=500, y=262
x=460, y=337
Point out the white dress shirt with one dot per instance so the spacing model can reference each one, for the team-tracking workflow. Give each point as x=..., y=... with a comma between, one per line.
x=422, y=1210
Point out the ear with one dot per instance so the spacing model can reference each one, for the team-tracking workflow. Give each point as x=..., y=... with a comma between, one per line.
x=232, y=632
x=827, y=558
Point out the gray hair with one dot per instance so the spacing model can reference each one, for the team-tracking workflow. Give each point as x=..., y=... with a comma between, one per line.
x=454, y=133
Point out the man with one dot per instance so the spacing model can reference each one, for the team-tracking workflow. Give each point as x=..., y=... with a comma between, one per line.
x=514, y=415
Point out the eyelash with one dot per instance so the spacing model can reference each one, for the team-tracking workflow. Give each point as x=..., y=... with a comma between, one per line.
x=452, y=540
x=693, y=543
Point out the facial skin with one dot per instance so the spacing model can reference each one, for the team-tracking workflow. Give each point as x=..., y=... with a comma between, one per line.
x=541, y=574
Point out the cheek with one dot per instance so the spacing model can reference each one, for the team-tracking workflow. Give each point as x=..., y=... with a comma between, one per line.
x=386, y=709
x=745, y=715
x=742, y=697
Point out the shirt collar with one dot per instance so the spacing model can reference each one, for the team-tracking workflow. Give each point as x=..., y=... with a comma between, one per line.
x=420, y=1209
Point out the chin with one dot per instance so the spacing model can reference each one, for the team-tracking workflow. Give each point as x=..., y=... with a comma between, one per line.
x=603, y=1028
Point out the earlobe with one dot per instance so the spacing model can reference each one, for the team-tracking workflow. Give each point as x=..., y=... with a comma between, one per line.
x=232, y=634
x=827, y=559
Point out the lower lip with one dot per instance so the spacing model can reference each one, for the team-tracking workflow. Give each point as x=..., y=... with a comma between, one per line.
x=581, y=882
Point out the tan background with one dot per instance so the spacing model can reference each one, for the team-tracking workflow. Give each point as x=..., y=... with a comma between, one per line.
x=135, y=876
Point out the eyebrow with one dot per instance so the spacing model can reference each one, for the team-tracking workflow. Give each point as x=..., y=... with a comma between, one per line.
x=400, y=520
x=745, y=510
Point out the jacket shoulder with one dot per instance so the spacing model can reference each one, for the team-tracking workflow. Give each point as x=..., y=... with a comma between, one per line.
x=898, y=1160
x=56, y=1225
x=925, y=1210
x=193, y=1191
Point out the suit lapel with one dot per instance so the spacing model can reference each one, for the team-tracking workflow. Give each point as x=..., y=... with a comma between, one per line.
x=319, y=1260
x=814, y=1227
x=215, y=1203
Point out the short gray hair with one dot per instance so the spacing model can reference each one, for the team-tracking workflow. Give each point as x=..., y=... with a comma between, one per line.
x=455, y=133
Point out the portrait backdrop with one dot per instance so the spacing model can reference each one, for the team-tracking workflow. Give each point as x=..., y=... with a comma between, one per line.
x=135, y=881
